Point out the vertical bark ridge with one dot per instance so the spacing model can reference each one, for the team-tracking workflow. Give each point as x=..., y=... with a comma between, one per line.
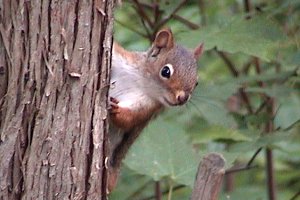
x=55, y=56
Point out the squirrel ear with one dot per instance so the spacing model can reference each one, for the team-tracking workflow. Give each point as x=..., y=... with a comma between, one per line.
x=164, y=39
x=199, y=51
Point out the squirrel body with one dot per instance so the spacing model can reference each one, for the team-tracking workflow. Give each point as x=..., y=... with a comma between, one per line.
x=130, y=84
x=142, y=85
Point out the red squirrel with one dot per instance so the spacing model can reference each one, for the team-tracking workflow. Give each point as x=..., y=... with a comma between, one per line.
x=142, y=85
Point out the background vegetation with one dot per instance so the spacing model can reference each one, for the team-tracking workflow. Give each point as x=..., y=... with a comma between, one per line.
x=246, y=106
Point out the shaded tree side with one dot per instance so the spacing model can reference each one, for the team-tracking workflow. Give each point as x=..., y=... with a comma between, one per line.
x=54, y=69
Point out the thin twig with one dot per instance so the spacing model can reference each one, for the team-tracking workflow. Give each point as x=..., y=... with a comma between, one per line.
x=254, y=156
x=236, y=73
x=166, y=19
x=148, y=6
x=294, y=73
x=262, y=106
x=131, y=28
x=150, y=36
x=246, y=67
x=186, y=22
x=144, y=18
x=166, y=192
x=238, y=169
x=229, y=63
x=142, y=13
x=156, y=12
x=201, y=6
x=247, y=166
x=158, y=193
x=170, y=192
x=269, y=154
x=247, y=6
x=258, y=70
x=269, y=128
x=295, y=196
x=246, y=100
x=270, y=174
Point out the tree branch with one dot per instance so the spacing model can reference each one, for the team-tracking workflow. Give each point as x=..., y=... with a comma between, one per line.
x=295, y=196
x=209, y=178
x=131, y=28
x=229, y=63
x=238, y=169
x=247, y=166
x=254, y=156
x=142, y=12
x=236, y=73
x=166, y=19
x=247, y=6
x=158, y=194
x=186, y=22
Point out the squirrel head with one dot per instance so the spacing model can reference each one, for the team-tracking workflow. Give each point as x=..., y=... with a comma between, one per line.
x=173, y=67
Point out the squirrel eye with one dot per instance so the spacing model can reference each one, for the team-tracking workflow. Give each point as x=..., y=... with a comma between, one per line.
x=166, y=71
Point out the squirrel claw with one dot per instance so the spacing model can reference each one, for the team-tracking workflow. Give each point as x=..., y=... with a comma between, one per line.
x=113, y=105
x=114, y=100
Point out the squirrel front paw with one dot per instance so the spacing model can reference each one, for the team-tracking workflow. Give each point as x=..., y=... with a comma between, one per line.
x=113, y=105
x=120, y=116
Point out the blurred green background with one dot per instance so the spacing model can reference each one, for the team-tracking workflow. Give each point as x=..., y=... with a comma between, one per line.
x=247, y=102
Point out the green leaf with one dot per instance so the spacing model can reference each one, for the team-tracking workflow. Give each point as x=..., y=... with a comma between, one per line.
x=291, y=150
x=258, y=37
x=214, y=112
x=277, y=91
x=220, y=90
x=270, y=140
x=217, y=133
x=163, y=150
x=256, y=193
x=256, y=120
x=208, y=102
x=288, y=112
x=281, y=76
x=168, y=7
x=127, y=188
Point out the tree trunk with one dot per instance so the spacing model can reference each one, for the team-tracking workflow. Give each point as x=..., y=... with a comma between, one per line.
x=54, y=77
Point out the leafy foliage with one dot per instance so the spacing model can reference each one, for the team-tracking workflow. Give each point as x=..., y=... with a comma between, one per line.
x=165, y=154
x=249, y=79
x=258, y=36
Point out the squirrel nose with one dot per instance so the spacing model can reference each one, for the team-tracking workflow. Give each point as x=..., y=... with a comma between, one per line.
x=182, y=97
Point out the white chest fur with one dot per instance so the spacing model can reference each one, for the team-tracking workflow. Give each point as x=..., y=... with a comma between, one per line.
x=128, y=85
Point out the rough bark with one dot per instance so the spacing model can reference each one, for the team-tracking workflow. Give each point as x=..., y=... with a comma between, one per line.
x=209, y=178
x=54, y=69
